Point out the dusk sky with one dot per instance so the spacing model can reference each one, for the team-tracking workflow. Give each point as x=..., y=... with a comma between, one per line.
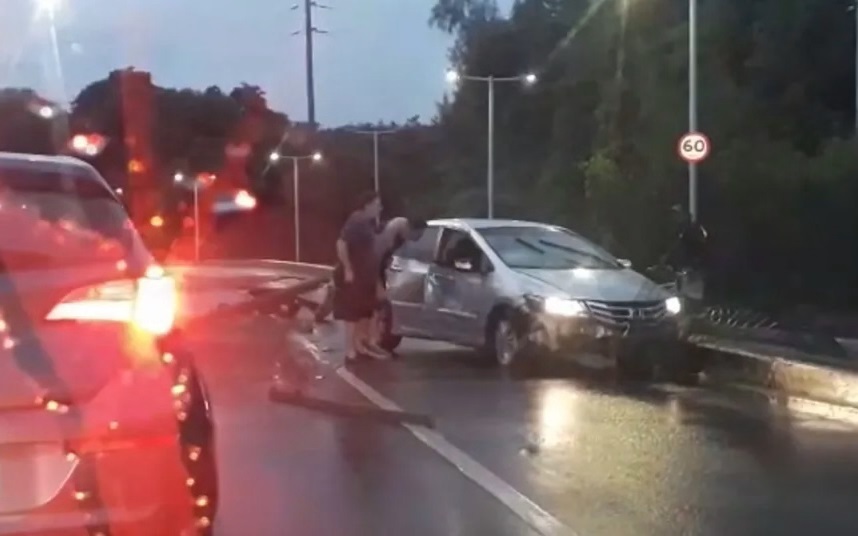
x=380, y=61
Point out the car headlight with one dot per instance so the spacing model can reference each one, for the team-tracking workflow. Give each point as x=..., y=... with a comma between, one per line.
x=561, y=306
x=673, y=305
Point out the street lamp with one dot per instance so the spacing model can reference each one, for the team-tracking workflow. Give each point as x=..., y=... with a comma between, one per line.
x=48, y=7
x=529, y=79
x=375, y=135
x=179, y=178
x=46, y=112
x=275, y=156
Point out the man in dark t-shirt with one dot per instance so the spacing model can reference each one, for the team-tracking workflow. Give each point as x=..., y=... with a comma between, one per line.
x=689, y=256
x=356, y=278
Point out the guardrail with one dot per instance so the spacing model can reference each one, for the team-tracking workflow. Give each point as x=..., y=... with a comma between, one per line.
x=267, y=285
x=715, y=321
x=302, y=269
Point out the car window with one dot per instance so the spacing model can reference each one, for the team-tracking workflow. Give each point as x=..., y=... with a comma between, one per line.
x=58, y=220
x=422, y=249
x=546, y=248
x=456, y=245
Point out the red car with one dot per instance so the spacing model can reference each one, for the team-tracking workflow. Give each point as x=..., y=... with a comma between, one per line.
x=105, y=424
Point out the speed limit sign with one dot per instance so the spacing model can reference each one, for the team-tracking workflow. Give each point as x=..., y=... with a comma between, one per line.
x=693, y=147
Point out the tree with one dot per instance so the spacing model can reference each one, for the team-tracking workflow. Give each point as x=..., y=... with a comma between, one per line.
x=22, y=129
x=593, y=145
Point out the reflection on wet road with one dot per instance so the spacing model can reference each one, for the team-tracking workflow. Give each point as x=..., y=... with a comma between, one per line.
x=606, y=461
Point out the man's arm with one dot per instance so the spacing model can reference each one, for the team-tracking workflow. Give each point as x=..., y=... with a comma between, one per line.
x=343, y=256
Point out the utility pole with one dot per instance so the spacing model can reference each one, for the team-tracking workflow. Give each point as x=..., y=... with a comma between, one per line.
x=308, y=31
x=308, y=37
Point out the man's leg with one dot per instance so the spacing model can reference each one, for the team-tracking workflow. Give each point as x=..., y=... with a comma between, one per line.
x=374, y=321
x=350, y=347
x=367, y=345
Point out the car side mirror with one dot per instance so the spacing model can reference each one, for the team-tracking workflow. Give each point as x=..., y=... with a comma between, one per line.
x=463, y=265
x=625, y=263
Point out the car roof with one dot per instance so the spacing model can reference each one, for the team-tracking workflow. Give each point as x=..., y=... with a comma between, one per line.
x=48, y=163
x=482, y=223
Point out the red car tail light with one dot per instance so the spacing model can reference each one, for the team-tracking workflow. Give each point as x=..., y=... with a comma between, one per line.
x=148, y=304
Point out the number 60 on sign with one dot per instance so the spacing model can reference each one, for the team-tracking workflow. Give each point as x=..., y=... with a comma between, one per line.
x=693, y=147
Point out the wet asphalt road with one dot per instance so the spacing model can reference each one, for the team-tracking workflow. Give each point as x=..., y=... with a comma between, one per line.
x=603, y=460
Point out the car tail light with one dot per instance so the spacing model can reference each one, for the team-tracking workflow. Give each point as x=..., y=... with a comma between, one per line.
x=148, y=304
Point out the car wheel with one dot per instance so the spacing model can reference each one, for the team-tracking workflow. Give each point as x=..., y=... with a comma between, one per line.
x=507, y=347
x=198, y=439
x=506, y=343
x=389, y=341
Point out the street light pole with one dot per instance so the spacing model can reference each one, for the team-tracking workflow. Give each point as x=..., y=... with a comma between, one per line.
x=692, y=104
x=376, y=134
x=179, y=178
x=490, y=165
x=529, y=79
x=295, y=193
x=375, y=161
x=196, y=220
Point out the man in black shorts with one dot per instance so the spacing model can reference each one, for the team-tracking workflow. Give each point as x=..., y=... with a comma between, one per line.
x=356, y=278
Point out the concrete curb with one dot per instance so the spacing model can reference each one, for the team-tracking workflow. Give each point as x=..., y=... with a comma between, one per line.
x=812, y=383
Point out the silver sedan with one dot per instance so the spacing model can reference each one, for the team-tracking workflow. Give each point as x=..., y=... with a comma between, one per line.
x=516, y=289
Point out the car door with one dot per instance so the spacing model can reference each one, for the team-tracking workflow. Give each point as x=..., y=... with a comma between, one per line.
x=456, y=290
x=406, y=284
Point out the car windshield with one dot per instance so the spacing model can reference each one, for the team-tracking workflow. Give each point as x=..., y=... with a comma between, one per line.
x=547, y=248
x=55, y=220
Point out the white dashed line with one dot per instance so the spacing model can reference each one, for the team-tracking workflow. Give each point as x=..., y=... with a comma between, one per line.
x=530, y=512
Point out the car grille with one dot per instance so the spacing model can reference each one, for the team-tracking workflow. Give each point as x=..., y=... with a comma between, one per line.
x=627, y=314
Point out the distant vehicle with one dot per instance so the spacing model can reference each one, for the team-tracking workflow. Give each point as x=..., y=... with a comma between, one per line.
x=230, y=206
x=106, y=423
x=521, y=289
x=173, y=232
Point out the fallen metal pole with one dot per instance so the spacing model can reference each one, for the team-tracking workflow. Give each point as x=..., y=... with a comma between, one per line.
x=268, y=300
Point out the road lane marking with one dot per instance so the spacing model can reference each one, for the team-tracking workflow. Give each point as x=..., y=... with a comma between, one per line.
x=530, y=512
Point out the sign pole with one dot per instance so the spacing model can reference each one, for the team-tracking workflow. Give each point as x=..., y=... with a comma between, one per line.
x=692, y=104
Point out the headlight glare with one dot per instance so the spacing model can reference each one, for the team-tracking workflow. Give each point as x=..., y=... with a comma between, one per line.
x=673, y=305
x=563, y=307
